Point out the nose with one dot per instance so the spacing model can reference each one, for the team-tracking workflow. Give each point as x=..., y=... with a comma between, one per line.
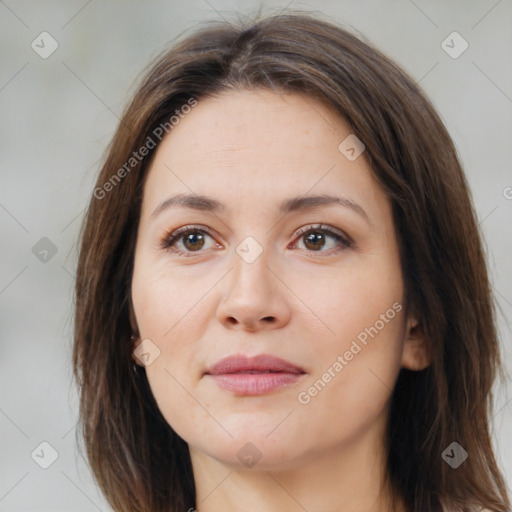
x=254, y=298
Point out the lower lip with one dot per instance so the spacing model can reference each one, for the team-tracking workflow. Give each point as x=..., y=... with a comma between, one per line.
x=253, y=384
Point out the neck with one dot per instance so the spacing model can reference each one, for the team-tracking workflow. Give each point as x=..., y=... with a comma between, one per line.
x=349, y=477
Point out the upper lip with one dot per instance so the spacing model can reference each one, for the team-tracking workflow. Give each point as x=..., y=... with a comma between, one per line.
x=261, y=363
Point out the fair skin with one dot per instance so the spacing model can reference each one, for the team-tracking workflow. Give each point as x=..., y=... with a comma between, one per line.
x=304, y=300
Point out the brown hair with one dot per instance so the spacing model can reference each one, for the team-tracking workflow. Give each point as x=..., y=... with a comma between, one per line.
x=140, y=463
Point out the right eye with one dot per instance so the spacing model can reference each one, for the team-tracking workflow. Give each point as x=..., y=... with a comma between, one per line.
x=191, y=238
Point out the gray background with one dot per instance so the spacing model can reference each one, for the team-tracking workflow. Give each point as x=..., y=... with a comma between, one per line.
x=58, y=115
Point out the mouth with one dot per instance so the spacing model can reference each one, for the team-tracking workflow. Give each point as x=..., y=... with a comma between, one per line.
x=252, y=376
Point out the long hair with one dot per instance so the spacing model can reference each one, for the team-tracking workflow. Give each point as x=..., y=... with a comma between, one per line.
x=139, y=462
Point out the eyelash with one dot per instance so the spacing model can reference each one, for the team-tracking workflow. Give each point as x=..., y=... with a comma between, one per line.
x=169, y=240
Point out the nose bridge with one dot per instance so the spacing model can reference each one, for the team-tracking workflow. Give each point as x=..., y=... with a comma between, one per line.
x=251, y=273
x=252, y=296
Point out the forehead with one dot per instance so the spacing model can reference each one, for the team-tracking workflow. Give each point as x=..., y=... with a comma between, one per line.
x=257, y=146
x=260, y=122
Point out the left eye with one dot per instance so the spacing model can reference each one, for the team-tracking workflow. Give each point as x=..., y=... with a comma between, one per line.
x=315, y=237
x=193, y=238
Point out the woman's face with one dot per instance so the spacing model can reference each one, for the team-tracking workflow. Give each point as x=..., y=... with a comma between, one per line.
x=256, y=275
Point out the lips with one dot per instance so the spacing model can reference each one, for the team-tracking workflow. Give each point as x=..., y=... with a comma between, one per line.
x=258, y=375
x=258, y=364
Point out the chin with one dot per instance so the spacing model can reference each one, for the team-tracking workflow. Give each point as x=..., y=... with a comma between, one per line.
x=255, y=451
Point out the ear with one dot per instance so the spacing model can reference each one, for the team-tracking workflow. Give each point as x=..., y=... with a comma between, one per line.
x=416, y=354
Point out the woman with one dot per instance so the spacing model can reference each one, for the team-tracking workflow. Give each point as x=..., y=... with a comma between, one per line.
x=282, y=301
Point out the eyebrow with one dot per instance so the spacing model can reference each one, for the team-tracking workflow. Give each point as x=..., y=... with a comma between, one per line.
x=300, y=203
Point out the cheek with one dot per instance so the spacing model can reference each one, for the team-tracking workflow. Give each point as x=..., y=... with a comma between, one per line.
x=361, y=344
x=164, y=299
x=354, y=383
x=171, y=311
x=171, y=320
x=348, y=303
